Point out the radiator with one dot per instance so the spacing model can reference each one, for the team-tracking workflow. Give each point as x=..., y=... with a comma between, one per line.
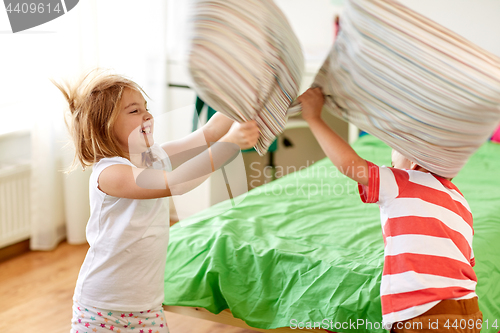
x=14, y=204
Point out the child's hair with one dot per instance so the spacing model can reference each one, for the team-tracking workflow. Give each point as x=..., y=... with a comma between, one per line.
x=94, y=102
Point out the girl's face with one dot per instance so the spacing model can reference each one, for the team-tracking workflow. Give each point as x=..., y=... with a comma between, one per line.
x=134, y=125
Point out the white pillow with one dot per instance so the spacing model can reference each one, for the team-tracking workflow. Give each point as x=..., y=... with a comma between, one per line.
x=424, y=90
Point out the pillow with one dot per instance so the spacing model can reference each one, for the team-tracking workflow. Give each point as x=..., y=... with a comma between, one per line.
x=246, y=62
x=422, y=89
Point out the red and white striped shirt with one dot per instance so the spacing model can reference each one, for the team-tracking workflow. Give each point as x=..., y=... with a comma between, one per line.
x=427, y=230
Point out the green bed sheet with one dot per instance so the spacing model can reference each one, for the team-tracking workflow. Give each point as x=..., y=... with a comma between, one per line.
x=305, y=251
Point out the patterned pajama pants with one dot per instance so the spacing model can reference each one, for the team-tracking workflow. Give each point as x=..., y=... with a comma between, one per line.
x=92, y=320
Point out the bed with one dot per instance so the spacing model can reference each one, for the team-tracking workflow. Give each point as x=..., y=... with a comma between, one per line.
x=304, y=252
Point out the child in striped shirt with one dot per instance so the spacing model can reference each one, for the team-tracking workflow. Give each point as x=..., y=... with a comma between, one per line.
x=428, y=283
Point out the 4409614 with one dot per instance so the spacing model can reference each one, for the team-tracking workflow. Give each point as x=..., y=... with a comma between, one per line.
x=471, y=323
x=33, y=8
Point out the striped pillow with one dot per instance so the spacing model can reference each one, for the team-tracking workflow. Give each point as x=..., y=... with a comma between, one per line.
x=246, y=62
x=422, y=89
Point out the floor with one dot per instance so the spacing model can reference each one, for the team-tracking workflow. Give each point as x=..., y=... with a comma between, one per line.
x=36, y=290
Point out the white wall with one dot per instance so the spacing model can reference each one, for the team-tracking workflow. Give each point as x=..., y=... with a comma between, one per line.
x=312, y=21
x=476, y=20
x=15, y=148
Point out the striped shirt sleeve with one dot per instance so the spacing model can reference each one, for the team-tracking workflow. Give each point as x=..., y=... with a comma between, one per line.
x=383, y=184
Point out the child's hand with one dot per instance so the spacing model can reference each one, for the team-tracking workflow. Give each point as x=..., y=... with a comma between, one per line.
x=312, y=101
x=245, y=135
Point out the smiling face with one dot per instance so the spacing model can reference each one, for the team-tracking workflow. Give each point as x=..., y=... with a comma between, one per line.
x=134, y=124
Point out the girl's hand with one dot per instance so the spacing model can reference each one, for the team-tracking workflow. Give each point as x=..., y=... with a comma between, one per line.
x=312, y=101
x=245, y=135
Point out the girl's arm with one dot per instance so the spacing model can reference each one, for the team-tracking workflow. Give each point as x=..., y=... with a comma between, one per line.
x=338, y=151
x=191, y=145
x=134, y=183
x=217, y=127
x=120, y=181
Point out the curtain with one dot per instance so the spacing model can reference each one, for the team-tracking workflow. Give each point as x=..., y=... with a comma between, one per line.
x=126, y=36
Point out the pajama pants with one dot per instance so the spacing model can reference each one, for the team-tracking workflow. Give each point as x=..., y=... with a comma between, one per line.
x=88, y=319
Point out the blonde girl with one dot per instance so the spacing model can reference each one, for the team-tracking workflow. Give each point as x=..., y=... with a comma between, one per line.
x=120, y=284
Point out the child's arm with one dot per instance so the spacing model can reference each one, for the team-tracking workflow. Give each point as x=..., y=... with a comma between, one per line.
x=181, y=150
x=340, y=152
x=134, y=183
x=217, y=127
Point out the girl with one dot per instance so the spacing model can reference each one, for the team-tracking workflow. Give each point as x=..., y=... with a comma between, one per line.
x=120, y=285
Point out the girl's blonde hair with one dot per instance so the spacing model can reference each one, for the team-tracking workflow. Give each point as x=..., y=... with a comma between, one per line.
x=94, y=103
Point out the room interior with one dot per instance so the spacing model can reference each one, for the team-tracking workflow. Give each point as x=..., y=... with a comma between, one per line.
x=45, y=210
